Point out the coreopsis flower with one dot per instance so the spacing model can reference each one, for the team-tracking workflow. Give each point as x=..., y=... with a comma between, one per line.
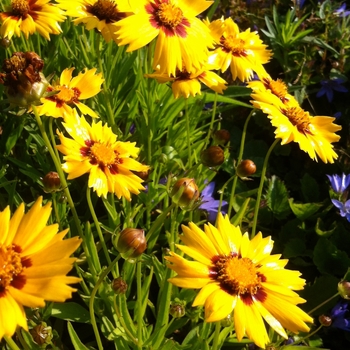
x=189, y=84
x=35, y=261
x=239, y=275
x=30, y=16
x=23, y=79
x=314, y=135
x=244, y=52
x=69, y=93
x=181, y=37
x=101, y=15
x=339, y=183
x=94, y=149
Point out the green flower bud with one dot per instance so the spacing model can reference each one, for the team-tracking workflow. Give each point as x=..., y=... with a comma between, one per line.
x=42, y=334
x=177, y=308
x=131, y=243
x=119, y=286
x=213, y=156
x=51, y=182
x=246, y=168
x=227, y=321
x=344, y=289
x=185, y=193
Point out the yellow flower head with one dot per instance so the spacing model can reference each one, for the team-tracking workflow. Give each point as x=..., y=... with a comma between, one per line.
x=30, y=16
x=314, y=135
x=244, y=52
x=97, y=14
x=35, y=261
x=236, y=274
x=188, y=84
x=69, y=92
x=181, y=37
x=94, y=149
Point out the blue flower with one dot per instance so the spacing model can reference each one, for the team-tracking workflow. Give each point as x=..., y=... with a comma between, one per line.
x=339, y=184
x=341, y=316
x=210, y=204
x=344, y=208
x=340, y=12
x=329, y=86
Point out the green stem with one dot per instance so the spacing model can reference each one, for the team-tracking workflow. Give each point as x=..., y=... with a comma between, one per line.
x=97, y=225
x=323, y=303
x=239, y=158
x=216, y=336
x=211, y=126
x=91, y=302
x=11, y=343
x=258, y=198
x=139, y=302
x=308, y=336
x=222, y=192
x=188, y=131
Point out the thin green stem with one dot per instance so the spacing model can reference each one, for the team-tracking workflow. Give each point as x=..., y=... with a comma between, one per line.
x=188, y=132
x=308, y=336
x=239, y=158
x=211, y=126
x=139, y=302
x=92, y=298
x=10, y=342
x=223, y=190
x=262, y=179
x=216, y=336
x=97, y=225
x=323, y=303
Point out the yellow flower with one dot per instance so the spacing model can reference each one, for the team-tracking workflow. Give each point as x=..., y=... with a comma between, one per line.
x=94, y=149
x=181, y=37
x=97, y=14
x=30, y=16
x=244, y=52
x=188, y=84
x=239, y=275
x=70, y=91
x=314, y=135
x=34, y=264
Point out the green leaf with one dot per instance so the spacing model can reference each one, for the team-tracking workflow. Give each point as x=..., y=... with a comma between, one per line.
x=71, y=311
x=322, y=232
x=277, y=198
x=304, y=210
x=309, y=188
x=78, y=345
x=294, y=248
x=329, y=259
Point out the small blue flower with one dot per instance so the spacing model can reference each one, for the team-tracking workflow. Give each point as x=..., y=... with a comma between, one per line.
x=344, y=208
x=341, y=316
x=339, y=184
x=340, y=12
x=329, y=86
x=211, y=205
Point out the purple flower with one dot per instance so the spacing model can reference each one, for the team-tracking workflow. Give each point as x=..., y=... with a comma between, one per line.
x=339, y=184
x=340, y=12
x=341, y=316
x=210, y=204
x=344, y=208
x=329, y=86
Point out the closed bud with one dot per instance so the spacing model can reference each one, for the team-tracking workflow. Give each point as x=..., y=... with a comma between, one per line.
x=5, y=42
x=325, y=321
x=51, y=182
x=213, y=156
x=185, y=193
x=131, y=243
x=42, y=334
x=177, y=308
x=344, y=289
x=227, y=321
x=119, y=286
x=246, y=168
x=24, y=82
x=221, y=137
x=142, y=174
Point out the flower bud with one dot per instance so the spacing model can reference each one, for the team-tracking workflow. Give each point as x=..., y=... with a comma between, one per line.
x=344, y=289
x=24, y=82
x=5, y=42
x=177, y=308
x=142, y=174
x=42, y=334
x=325, y=321
x=51, y=182
x=221, y=137
x=246, y=168
x=131, y=243
x=213, y=156
x=119, y=286
x=185, y=193
x=227, y=321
